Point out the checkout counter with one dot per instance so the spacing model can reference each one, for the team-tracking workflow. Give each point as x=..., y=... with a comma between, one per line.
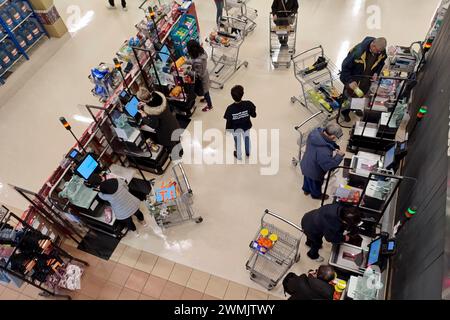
x=74, y=195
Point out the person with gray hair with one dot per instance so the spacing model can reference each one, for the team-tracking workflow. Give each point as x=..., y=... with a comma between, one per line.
x=363, y=63
x=319, y=158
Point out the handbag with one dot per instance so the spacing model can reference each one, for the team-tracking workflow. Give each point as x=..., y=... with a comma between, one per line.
x=198, y=87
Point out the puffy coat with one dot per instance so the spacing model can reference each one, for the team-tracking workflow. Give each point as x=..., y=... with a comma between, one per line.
x=309, y=288
x=324, y=222
x=318, y=158
x=163, y=121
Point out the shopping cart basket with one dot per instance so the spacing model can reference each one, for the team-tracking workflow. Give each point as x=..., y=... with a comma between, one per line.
x=282, y=27
x=268, y=266
x=239, y=9
x=319, y=82
x=225, y=47
x=170, y=201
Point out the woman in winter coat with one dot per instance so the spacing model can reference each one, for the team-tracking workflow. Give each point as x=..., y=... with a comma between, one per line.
x=199, y=61
x=124, y=205
x=157, y=115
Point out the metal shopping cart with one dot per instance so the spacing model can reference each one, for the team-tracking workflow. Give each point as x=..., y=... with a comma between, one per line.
x=170, y=202
x=319, y=81
x=282, y=39
x=239, y=9
x=304, y=129
x=268, y=266
x=225, y=47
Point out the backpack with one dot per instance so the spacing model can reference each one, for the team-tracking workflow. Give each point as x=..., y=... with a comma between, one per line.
x=289, y=283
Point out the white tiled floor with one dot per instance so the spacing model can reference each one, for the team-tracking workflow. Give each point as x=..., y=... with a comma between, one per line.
x=231, y=199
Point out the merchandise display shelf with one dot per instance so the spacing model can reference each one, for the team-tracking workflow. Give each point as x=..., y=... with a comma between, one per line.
x=21, y=22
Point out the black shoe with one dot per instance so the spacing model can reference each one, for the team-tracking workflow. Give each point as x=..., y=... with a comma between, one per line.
x=346, y=117
x=235, y=154
x=306, y=193
x=248, y=155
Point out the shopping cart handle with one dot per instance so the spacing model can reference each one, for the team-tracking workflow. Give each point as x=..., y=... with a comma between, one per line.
x=267, y=211
x=309, y=119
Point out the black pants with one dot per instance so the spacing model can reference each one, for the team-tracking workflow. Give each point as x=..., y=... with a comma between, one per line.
x=314, y=242
x=124, y=3
x=128, y=223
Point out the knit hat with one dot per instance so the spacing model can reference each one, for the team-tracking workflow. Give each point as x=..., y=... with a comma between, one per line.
x=109, y=186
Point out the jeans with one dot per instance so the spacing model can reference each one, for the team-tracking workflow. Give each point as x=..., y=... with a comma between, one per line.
x=313, y=187
x=129, y=221
x=238, y=136
x=219, y=6
x=207, y=97
x=124, y=3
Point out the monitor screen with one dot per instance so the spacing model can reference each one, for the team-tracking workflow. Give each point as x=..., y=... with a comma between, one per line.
x=389, y=158
x=87, y=167
x=132, y=107
x=73, y=154
x=164, y=54
x=374, y=252
x=391, y=245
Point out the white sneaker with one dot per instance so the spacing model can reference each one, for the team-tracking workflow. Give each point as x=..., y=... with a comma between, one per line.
x=320, y=259
x=124, y=8
x=110, y=6
x=137, y=234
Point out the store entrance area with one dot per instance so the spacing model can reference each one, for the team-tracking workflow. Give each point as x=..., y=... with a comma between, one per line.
x=231, y=198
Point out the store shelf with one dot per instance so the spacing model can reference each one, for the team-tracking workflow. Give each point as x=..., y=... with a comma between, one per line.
x=6, y=36
x=21, y=22
x=35, y=42
x=12, y=65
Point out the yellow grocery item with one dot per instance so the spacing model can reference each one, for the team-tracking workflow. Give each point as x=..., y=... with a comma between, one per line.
x=176, y=91
x=273, y=237
x=340, y=285
x=359, y=92
x=264, y=232
x=180, y=62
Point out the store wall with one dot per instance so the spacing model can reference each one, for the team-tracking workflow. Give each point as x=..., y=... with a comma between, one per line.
x=421, y=265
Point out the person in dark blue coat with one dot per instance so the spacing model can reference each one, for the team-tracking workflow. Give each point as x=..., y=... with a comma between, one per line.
x=330, y=222
x=364, y=61
x=319, y=158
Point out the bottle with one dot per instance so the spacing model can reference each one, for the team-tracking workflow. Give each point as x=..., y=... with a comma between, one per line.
x=27, y=35
x=11, y=50
x=8, y=20
x=33, y=26
x=339, y=289
x=21, y=40
x=14, y=14
x=5, y=60
x=21, y=7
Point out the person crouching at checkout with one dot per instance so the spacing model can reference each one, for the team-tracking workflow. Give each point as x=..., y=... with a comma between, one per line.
x=157, y=115
x=124, y=205
x=316, y=285
x=330, y=221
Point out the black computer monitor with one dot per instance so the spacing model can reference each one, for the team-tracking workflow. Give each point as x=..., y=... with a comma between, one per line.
x=87, y=167
x=374, y=257
x=389, y=158
x=164, y=54
x=132, y=107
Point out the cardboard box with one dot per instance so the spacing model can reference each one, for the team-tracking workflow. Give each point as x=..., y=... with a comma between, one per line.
x=41, y=4
x=56, y=30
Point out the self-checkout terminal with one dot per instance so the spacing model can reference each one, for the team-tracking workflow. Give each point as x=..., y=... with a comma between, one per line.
x=357, y=259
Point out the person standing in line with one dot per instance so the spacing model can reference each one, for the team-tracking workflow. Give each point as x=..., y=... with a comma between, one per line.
x=319, y=159
x=238, y=116
x=363, y=63
x=283, y=12
x=199, y=61
x=124, y=205
x=219, y=6
x=111, y=5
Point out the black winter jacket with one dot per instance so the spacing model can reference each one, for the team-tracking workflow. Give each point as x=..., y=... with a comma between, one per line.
x=324, y=222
